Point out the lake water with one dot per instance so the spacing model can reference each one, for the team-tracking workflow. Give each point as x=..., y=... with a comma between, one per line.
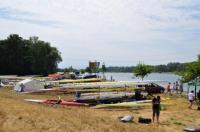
x=165, y=77
x=160, y=78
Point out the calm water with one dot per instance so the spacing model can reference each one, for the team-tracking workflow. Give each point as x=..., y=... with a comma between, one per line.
x=160, y=78
x=165, y=77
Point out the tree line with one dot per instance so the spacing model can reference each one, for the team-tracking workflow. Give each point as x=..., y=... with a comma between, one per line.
x=190, y=72
x=170, y=67
x=27, y=56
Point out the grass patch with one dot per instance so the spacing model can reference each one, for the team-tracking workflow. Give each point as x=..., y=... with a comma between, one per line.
x=179, y=123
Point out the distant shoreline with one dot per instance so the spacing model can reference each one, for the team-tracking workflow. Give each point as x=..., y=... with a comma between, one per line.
x=150, y=73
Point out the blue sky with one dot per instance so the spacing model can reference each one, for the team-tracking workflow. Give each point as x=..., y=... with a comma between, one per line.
x=117, y=32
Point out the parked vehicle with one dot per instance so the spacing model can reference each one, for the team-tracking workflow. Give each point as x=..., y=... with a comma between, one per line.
x=86, y=76
x=152, y=88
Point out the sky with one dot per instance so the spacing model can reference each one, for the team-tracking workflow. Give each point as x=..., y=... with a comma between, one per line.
x=117, y=32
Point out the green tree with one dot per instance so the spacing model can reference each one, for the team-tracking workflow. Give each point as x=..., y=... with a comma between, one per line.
x=198, y=58
x=141, y=70
x=13, y=55
x=20, y=56
x=192, y=71
x=66, y=70
x=103, y=68
x=89, y=70
x=44, y=57
x=71, y=69
x=82, y=71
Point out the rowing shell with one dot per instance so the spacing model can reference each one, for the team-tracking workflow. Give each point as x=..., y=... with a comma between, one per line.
x=61, y=102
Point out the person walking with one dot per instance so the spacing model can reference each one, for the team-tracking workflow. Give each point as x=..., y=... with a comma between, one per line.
x=191, y=98
x=156, y=108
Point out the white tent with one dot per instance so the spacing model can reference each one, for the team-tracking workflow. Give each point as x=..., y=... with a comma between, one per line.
x=28, y=85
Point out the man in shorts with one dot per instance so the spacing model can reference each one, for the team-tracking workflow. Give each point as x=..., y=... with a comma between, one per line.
x=156, y=108
x=191, y=98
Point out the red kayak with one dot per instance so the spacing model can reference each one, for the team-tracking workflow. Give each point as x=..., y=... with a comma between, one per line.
x=54, y=101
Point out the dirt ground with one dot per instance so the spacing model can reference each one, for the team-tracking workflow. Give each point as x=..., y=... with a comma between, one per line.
x=16, y=115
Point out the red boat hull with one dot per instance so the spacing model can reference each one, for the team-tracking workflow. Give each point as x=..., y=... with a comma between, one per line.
x=62, y=102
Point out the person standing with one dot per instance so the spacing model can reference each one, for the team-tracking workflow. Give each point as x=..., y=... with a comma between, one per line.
x=77, y=95
x=174, y=87
x=22, y=87
x=156, y=108
x=191, y=98
x=168, y=89
x=198, y=96
x=177, y=86
x=181, y=87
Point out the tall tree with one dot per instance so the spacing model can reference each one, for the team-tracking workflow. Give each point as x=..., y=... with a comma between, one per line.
x=141, y=70
x=33, y=56
x=14, y=51
x=44, y=57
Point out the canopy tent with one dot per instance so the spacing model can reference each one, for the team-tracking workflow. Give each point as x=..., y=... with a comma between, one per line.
x=28, y=85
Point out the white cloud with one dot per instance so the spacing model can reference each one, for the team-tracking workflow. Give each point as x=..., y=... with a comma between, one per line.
x=119, y=32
